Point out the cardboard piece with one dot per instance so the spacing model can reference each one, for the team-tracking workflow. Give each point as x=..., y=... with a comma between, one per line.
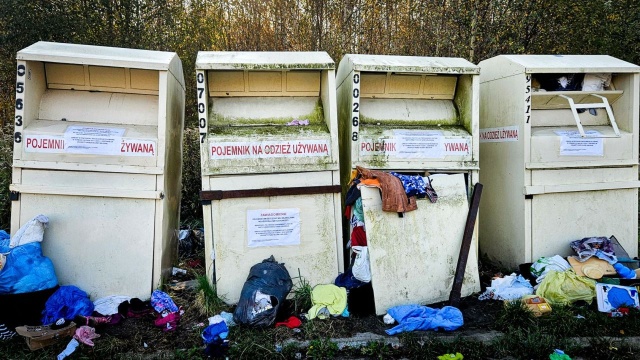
x=38, y=337
x=592, y=267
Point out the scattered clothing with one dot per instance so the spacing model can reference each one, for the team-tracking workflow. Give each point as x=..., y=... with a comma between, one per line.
x=600, y=247
x=358, y=236
x=565, y=287
x=394, y=198
x=168, y=321
x=542, y=266
x=353, y=193
x=613, y=297
x=135, y=308
x=511, y=287
x=388, y=319
x=348, y=281
x=228, y=318
x=358, y=211
x=214, y=332
x=162, y=302
x=298, y=122
x=32, y=231
x=86, y=334
x=418, y=317
x=67, y=302
x=328, y=296
x=292, y=323
x=217, y=349
x=414, y=185
x=431, y=192
x=109, y=305
x=71, y=347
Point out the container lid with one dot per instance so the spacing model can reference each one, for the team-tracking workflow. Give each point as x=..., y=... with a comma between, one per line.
x=404, y=64
x=263, y=60
x=96, y=55
x=572, y=63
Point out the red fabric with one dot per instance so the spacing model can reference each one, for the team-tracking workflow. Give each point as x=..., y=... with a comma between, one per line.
x=292, y=323
x=358, y=236
x=347, y=212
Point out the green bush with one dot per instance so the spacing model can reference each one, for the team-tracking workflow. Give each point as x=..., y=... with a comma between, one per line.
x=6, y=159
x=190, y=208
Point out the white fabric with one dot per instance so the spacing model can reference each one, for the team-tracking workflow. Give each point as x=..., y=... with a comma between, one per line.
x=71, y=347
x=32, y=231
x=109, y=305
x=510, y=287
x=388, y=319
x=596, y=82
x=216, y=319
x=542, y=266
x=361, y=268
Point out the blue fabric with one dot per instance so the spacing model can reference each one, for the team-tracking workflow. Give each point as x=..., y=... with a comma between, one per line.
x=417, y=317
x=214, y=332
x=26, y=269
x=161, y=301
x=3, y=235
x=413, y=185
x=68, y=302
x=357, y=210
x=348, y=281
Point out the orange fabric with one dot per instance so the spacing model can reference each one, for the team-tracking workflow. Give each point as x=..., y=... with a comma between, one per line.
x=394, y=198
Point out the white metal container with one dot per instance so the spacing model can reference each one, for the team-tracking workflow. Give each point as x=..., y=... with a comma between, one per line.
x=412, y=115
x=98, y=149
x=269, y=188
x=544, y=183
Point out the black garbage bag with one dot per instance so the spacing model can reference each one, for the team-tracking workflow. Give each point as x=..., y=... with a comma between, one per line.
x=263, y=293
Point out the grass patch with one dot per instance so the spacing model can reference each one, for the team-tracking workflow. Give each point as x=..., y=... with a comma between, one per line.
x=207, y=301
x=301, y=294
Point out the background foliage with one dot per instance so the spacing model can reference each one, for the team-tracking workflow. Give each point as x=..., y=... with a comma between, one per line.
x=472, y=29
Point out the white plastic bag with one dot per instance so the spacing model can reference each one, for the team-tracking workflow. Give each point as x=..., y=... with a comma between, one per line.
x=32, y=231
x=361, y=269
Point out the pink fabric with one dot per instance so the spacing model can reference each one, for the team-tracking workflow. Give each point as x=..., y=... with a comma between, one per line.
x=85, y=334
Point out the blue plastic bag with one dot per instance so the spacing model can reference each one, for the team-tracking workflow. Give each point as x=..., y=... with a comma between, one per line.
x=26, y=270
x=68, y=302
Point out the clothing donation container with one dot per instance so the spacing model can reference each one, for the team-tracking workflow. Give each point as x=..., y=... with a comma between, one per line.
x=414, y=116
x=98, y=149
x=269, y=155
x=559, y=145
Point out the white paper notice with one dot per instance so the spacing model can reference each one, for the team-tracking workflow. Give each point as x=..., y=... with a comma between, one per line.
x=572, y=144
x=419, y=144
x=273, y=227
x=93, y=140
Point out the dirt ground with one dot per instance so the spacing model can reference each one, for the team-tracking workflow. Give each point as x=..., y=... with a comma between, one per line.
x=138, y=337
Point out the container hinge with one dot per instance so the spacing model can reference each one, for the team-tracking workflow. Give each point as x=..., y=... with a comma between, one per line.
x=604, y=104
x=14, y=195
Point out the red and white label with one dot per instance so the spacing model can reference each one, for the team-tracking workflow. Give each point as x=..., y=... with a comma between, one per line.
x=59, y=144
x=268, y=149
x=417, y=144
x=499, y=134
x=138, y=148
x=52, y=144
